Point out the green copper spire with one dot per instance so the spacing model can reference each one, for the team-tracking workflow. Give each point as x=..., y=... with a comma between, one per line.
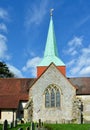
x=51, y=49
x=51, y=53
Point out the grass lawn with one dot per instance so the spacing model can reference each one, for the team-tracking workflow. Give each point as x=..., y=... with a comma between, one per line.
x=56, y=126
x=68, y=126
x=0, y=127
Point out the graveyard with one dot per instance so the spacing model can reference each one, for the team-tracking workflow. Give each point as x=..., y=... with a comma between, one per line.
x=22, y=126
x=18, y=127
x=42, y=126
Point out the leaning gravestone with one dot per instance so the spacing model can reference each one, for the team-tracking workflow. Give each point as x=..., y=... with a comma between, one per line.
x=5, y=125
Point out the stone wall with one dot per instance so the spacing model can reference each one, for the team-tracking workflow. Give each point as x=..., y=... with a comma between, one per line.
x=86, y=107
x=60, y=114
x=28, y=111
x=8, y=115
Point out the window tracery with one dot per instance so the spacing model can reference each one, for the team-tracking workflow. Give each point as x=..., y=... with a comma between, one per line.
x=52, y=96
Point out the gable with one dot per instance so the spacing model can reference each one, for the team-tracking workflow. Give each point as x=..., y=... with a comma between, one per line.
x=53, y=76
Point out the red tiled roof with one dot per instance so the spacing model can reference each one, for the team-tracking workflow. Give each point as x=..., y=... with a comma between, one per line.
x=83, y=85
x=13, y=90
x=9, y=102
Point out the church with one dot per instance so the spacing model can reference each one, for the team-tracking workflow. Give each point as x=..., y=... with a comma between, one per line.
x=51, y=96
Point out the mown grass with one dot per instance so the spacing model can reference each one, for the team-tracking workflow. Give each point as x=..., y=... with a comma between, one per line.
x=56, y=126
x=67, y=126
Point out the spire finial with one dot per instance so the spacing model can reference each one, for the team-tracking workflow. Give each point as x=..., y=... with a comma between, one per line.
x=51, y=10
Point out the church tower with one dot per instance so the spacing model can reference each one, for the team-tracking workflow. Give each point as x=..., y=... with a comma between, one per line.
x=51, y=53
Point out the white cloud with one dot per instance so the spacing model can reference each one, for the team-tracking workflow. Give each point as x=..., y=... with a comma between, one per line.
x=81, y=66
x=28, y=52
x=72, y=51
x=74, y=45
x=15, y=71
x=3, y=47
x=4, y=14
x=3, y=27
x=36, y=13
x=85, y=71
x=70, y=63
x=76, y=41
x=31, y=65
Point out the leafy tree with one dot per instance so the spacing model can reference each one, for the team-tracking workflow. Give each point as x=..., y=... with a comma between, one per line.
x=4, y=71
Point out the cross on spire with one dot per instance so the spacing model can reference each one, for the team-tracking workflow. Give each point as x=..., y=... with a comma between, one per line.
x=51, y=11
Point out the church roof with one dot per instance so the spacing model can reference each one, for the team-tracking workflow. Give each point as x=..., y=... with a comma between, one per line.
x=83, y=85
x=12, y=101
x=51, y=53
x=13, y=90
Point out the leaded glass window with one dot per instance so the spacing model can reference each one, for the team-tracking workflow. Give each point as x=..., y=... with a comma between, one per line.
x=52, y=98
x=57, y=98
x=47, y=99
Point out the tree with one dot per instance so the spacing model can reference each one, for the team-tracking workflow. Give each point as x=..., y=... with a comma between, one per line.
x=4, y=71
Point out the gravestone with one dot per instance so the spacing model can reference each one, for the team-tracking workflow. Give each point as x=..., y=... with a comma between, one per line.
x=32, y=126
x=37, y=125
x=40, y=124
x=15, y=123
x=5, y=125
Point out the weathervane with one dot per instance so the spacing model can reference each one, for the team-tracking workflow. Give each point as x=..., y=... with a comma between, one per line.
x=51, y=10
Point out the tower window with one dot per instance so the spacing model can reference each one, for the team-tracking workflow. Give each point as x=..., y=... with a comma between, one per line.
x=52, y=97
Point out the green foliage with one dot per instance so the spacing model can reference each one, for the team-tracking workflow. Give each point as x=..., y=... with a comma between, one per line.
x=0, y=127
x=4, y=71
x=67, y=126
x=24, y=126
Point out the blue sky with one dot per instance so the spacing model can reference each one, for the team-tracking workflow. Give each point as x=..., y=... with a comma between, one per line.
x=23, y=32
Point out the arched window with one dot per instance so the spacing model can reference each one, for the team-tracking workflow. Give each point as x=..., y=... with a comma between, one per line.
x=57, y=98
x=47, y=99
x=52, y=96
